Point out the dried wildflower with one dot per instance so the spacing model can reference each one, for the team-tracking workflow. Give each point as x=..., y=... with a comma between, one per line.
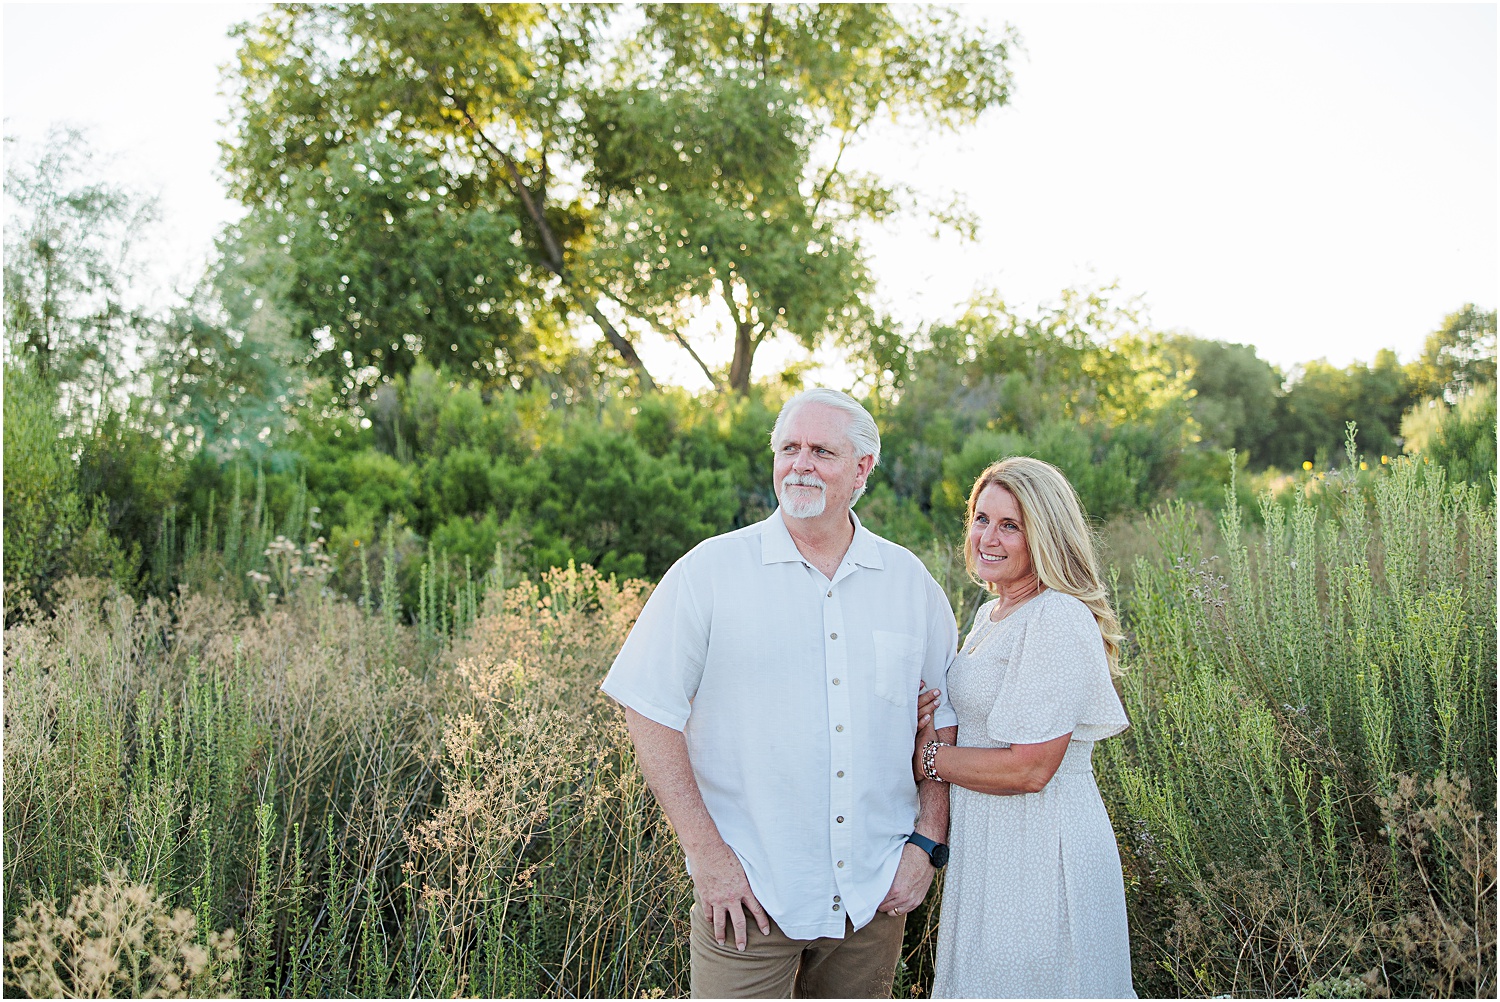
x=117, y=938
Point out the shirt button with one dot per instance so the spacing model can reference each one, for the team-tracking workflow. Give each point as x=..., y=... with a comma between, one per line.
x=833, y=636
x=841, y=774
x=835, y=681
x=839, y=819
x=841, y=864
x=830, y=594
x=840, y=727
x=835, y=907
x=837, y=898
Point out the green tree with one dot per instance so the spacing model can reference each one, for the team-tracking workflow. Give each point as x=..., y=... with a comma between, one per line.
x=71, y=312
x=475, y=108
x=369, y=265
x=1465, y=440
x=1234, y=392
x=1083, y=380
x=1322, y=398
x=43, y=512
x=230, y=382
x=1381, y=393
x=579, y=159
x=1458, y=436
x=84, y=463
x=1458, y=356
x=718, y=155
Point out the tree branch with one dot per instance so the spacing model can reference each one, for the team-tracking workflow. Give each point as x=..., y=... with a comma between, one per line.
x=550, y=245
x=617, y=341
x=833, y=170
x=553, y=250
x=675, y=335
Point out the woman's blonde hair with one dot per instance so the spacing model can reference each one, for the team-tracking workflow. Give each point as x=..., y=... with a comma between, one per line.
x=1058, y=539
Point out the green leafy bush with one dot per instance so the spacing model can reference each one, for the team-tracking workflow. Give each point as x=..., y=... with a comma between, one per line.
x=1306, y=797
x=1465, y=440
x=43, y=512
x=601, y=499
x=1107, y=477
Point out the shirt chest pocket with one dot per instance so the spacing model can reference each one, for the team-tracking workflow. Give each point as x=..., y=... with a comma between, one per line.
x=898, y=666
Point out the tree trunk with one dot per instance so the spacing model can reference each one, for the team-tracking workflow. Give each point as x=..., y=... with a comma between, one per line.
x=745, y=344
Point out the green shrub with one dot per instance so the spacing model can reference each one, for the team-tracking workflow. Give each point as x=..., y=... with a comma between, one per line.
x=1107, y=477
x=599, y=498
x=1307, y=794
x=43, y=511
x=128, y=478
x=1465, y=441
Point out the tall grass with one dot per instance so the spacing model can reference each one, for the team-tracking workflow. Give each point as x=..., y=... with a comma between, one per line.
x=284, y=792
x=371, y=821
x=1307, y=796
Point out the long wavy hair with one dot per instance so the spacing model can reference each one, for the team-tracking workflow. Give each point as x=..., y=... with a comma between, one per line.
x=1058, y=539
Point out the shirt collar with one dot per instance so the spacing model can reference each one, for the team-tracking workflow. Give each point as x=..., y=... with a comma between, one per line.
x=777, y=545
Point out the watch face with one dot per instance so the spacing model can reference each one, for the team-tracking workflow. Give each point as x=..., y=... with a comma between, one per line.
x=939, y=856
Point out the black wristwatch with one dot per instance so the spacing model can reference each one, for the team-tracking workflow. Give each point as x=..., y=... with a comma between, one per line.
x=936, y=851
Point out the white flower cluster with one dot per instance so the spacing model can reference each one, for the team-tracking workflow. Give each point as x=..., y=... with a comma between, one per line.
x=289, y=561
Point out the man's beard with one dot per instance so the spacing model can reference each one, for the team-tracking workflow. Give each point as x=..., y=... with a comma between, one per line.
x=800, y=506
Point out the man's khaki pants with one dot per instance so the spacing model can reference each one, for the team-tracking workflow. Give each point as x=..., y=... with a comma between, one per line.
x=861, y=965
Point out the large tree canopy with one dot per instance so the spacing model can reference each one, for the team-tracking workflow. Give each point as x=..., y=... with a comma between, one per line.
x=399, y=164
x=462, y=182
x=719, y=157
x=1235, y=393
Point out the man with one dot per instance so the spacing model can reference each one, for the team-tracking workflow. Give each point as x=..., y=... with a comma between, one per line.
x=770, y=688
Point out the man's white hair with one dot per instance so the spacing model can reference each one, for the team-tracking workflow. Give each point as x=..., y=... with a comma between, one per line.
x=861, y=430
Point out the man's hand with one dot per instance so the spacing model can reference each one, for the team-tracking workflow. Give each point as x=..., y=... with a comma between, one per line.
x=718, y=876
x=913, y=877
x=725, y=892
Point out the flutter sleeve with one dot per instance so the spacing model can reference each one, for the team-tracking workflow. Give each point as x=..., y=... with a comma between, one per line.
x=1058, y=681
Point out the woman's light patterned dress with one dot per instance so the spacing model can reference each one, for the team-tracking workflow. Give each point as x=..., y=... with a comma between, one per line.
x=1034, y=903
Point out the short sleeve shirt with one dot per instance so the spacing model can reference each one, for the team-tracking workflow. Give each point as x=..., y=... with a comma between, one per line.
x=797, y=697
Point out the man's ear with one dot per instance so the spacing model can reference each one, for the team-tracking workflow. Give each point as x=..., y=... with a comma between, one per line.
x=866, y=464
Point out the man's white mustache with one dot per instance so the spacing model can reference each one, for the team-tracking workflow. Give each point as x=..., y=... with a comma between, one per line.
x=803, y=480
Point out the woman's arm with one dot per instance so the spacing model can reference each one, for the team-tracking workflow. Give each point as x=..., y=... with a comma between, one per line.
x=1000, y=771
x=1003, y=771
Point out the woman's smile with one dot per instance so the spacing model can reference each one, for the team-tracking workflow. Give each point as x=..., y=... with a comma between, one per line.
x=996, y=535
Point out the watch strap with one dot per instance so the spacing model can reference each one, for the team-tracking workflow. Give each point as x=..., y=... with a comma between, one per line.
x=937, y=852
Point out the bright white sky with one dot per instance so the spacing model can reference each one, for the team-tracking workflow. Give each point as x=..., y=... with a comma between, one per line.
x=1318, y=181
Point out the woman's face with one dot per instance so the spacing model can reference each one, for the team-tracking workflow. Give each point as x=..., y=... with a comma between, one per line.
x=997, y=539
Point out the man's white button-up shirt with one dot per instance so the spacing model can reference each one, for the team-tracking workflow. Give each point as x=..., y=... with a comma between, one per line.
x=797, y=697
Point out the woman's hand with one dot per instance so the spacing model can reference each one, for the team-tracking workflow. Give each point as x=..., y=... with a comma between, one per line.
x=927, y=703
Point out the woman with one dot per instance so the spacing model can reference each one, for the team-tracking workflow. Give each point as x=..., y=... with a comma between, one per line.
x=1034, y=903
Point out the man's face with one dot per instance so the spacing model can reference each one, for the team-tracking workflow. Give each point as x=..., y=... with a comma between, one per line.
x=815, y=467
